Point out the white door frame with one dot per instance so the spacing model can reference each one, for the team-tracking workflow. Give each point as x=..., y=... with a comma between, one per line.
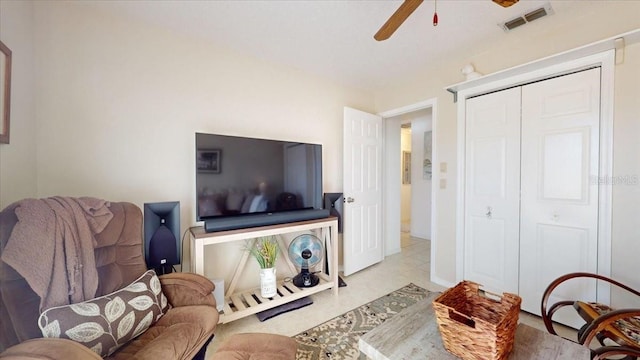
x=606, y=60
x=426, y=104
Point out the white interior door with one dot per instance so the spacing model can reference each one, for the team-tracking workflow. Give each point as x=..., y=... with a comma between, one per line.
x=492, y=187
x=362, y=229
x=559, y=202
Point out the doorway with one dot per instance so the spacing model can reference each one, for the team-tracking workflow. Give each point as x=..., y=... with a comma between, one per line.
x=408, y=190
x=405, y=186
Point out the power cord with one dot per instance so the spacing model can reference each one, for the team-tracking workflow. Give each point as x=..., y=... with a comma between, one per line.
x=182, y=248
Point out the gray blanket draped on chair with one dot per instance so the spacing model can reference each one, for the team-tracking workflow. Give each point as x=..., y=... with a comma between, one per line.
x=43, y=261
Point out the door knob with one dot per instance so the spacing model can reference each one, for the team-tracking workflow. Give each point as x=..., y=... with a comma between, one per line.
x=488, y=214
x=350, y=200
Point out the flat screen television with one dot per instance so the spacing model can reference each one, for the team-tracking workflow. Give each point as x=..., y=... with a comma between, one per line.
x=246, y=182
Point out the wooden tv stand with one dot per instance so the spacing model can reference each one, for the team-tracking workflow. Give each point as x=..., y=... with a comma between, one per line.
x=241, y=304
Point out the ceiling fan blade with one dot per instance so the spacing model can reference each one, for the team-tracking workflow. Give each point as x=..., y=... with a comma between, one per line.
x=505, y=3
x=398, y=17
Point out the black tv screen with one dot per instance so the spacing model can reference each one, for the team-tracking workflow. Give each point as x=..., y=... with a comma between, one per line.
x=241, y=179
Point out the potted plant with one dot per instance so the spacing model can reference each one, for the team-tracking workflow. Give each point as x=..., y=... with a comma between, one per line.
x=265, y=251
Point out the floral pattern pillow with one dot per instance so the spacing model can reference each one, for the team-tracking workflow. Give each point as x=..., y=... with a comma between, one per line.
x=106, y=323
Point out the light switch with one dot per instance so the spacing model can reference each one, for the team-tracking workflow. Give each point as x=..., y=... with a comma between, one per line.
x=443, y=183
x=443, y=167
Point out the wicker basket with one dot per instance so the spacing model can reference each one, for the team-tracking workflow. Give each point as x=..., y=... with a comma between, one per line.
x=475, y=327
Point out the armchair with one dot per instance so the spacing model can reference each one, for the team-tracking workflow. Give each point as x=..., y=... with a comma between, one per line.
x=181, y=332
x=617, y=331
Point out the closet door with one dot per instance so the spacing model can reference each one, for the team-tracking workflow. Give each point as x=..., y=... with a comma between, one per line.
x=492, y=183
x=559, y=200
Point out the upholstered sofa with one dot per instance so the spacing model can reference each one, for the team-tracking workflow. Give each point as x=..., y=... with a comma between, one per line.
x=179, y=308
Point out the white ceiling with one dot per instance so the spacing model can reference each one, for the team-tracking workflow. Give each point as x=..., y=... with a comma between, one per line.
x=334, y=39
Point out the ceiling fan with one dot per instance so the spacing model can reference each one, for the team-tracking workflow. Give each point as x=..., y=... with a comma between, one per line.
x=407, y=8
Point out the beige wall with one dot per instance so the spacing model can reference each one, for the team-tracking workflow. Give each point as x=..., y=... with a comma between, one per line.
x=537, y=40
x=18, y=159
x=119, y=103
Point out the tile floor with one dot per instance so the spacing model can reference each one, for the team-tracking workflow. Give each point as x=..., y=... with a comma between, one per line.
x=411, y=265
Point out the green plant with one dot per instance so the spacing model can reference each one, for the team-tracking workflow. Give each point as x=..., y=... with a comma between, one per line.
x=265, y=251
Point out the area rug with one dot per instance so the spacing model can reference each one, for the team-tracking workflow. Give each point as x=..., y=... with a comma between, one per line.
x=337, y=339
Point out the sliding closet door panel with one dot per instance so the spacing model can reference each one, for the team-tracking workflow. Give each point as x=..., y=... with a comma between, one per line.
x=491, y=190
x=559, y=202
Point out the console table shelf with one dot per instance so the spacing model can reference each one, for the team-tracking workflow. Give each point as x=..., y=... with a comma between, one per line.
x=244, y=303
x=250, y=302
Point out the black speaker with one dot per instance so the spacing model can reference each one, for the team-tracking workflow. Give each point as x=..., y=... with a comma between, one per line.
x=162, y=236
x=334, y=203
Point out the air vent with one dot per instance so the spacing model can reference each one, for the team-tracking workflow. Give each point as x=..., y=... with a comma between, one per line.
x=535, y=14
x=527, y=18
x=512, y=24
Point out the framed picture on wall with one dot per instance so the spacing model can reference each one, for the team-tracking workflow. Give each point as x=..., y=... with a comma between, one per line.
x=5, y=92
x=209, y=160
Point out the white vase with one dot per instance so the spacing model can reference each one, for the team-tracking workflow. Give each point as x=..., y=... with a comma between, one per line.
x=268, y=283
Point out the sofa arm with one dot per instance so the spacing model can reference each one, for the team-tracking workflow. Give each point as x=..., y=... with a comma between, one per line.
x=182, y=289
x=45, y=348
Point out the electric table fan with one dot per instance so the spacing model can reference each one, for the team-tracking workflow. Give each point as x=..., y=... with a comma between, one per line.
x=306, y=251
